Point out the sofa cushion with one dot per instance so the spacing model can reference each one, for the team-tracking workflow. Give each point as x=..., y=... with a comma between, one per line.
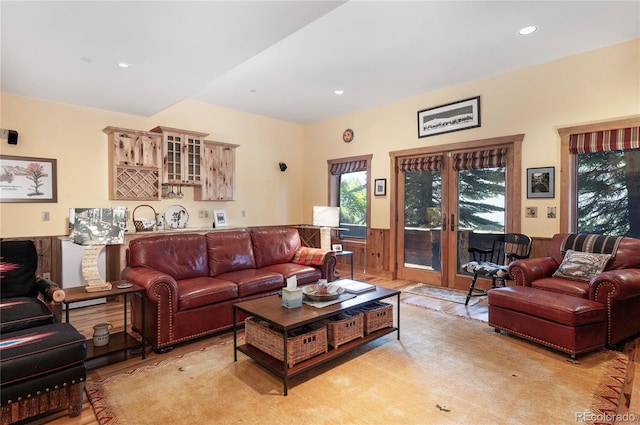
x=577, y=288
x=199, y=291
x=19, y=262
x=583, y=266
x=303, y=274
x=254, y=281
x=22, y=313
x=229, y=251
x=274, y=245
x=182, y=256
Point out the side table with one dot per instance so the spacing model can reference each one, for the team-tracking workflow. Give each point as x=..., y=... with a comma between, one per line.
x=348, y=254
x=118, y=341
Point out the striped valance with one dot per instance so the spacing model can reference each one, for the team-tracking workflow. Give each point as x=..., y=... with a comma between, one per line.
x=424, y=163
x=348, y=167
x=606, y=140
x=480, y=159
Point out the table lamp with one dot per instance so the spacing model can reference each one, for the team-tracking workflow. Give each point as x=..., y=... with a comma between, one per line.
x=94, y=228
x=326, y=218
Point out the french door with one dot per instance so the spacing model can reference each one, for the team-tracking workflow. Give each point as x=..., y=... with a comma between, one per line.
x=449, y=198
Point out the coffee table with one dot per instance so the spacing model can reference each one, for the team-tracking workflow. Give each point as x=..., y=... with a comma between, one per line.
x=270, y=309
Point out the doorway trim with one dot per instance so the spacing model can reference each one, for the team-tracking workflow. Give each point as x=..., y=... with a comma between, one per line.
x=514, y=182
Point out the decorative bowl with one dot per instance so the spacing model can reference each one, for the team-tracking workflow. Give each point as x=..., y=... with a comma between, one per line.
x=333, y=292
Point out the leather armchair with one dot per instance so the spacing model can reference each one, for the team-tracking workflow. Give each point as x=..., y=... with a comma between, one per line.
x=617, y=286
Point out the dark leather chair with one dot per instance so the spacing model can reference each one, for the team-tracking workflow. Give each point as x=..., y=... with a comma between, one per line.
x=494, y=262
x=41, y=360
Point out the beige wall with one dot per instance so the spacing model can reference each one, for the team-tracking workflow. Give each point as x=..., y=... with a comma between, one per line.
x=73, y=135
x=590, y=87
x=594, y=86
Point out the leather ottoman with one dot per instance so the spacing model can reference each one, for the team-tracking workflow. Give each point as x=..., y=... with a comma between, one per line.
x=570, y=324
x=41, y=360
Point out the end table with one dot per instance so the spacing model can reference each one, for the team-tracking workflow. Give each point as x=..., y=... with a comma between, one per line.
x=118, y=341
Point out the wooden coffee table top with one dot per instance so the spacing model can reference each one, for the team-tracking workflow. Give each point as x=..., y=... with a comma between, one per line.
x=271, y=308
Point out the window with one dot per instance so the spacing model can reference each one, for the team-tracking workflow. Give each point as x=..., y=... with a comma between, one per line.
x=603, y=188
x=349, y=182
x=603, y=196
x=353, y=204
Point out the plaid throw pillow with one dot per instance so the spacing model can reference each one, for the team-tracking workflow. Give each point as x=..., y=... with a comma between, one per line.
x=309, y=256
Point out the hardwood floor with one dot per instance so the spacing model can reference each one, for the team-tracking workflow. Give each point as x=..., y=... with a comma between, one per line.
x=84, y=318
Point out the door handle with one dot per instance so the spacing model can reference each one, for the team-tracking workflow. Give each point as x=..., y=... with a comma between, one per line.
x=453, y=226
x=444, y=222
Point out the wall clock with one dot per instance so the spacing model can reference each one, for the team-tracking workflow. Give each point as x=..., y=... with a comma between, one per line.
x=347, y=135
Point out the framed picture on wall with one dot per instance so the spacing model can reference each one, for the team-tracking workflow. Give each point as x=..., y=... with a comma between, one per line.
x=454, y=116
x=380, y=187
x=25, y=179
x=540, y=182
x=220, y=218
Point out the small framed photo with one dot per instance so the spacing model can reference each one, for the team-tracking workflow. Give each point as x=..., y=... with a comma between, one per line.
x=25, y=179
x=541, y=182
x=336, y=247
x=220, y=217
x=531, y=212
x=454, y=116
x=380, y=187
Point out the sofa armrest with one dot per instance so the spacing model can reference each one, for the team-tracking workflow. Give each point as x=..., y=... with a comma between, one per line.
x=615, y=285
x=328, y=267
x=52, y=295
x=523, y=272
x=161, y=288
x=50, y=290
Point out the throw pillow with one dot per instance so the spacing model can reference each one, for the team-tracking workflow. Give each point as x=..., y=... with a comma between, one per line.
x=582, y=266
x=309, y=256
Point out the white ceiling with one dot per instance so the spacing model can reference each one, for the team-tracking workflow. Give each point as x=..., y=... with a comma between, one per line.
x=284, y=59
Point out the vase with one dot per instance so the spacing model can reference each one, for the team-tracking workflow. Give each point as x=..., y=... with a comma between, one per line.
x=101, y=334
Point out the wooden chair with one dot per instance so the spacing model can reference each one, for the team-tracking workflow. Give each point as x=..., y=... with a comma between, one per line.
x=494, y=263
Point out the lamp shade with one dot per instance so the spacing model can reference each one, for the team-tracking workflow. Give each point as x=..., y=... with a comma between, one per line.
x=98, y=226
x=94, y=228
x=326, y=216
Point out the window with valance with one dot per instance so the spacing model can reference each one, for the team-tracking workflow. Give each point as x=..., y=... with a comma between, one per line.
x=607, y=181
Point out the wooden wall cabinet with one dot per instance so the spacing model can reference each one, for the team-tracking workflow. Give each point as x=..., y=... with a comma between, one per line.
x=135, y=164
x=182, y=156
x=218, y=164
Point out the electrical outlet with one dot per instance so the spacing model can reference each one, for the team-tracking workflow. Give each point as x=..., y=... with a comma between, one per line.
x=201, y=214
x=206, y=214
x=46, y=275
x=45, y=215
x=244, y=213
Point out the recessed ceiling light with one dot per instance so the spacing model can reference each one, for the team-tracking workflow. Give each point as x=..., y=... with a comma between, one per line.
x=528, y=30
x=124, y=65
x=338, y=92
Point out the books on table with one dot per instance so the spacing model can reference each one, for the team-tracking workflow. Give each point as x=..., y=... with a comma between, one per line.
x=353, y=286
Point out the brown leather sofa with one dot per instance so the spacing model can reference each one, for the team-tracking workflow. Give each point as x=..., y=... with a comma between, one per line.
x=193, y=280
x=549, y=307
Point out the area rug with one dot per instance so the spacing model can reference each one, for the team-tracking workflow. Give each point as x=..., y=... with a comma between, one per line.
x=444, y=370
x=440, y=293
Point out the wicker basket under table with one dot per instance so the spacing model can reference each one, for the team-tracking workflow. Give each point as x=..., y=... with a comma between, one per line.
x=377, y=315
x=299, y=347
x=344, y=328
